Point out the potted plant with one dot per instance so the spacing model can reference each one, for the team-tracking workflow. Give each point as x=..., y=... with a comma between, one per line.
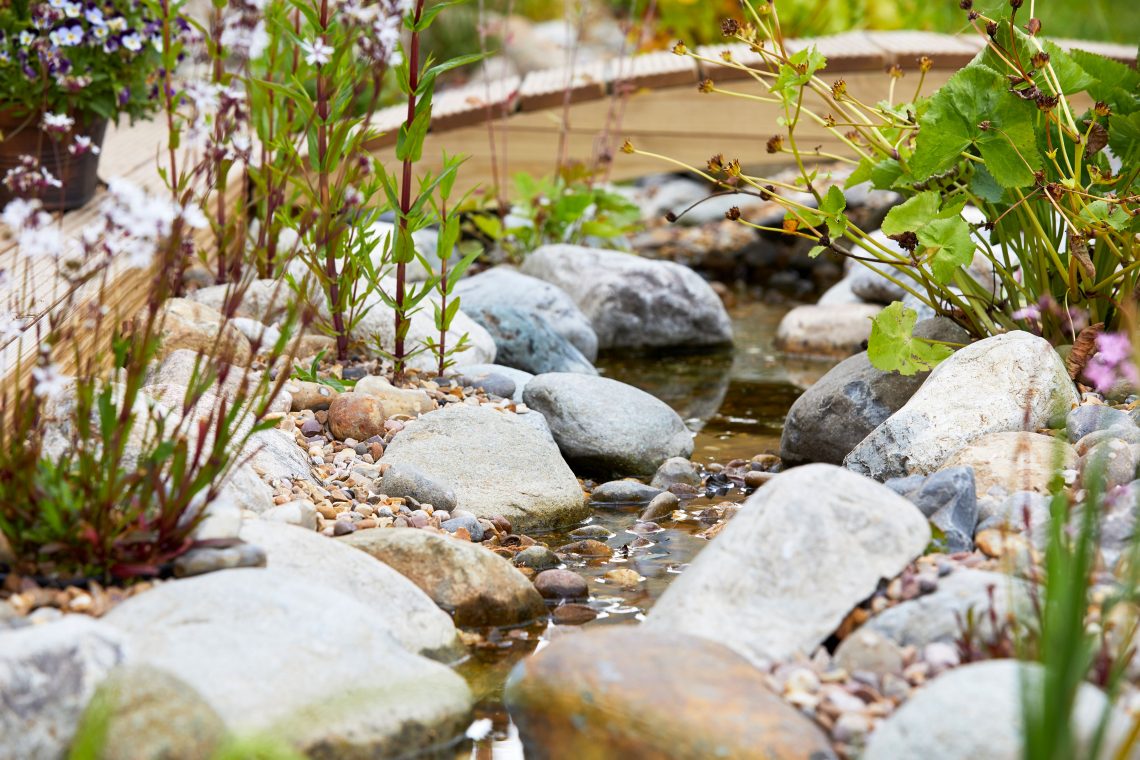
x=67, y=67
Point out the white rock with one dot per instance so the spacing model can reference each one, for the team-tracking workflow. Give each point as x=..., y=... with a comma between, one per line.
x=975, y=711
x=410, y=616
x=1009, y=382
x=836, y=329
x=48, y=672
x=274, y=652
x=299, y=512
x=801, y=553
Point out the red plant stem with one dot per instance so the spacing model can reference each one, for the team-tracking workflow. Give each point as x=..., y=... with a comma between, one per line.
x=406, y=189
x=442, y=299
x=219, y=135
x=326, y=233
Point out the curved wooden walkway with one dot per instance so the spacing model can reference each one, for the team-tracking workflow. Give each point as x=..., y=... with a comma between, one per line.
x=654, y=93
x=660, y=109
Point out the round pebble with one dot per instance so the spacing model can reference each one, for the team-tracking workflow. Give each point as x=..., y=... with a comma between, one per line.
x=561, y=584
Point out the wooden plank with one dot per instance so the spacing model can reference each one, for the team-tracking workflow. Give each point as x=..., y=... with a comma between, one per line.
x=654, y=70
x=467, y=105
x=548, y=89
x=905, y=48
x=736, y=53
x=847, y=52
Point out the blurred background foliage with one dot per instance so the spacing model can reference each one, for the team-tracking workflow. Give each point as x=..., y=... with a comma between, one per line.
x=657, y=24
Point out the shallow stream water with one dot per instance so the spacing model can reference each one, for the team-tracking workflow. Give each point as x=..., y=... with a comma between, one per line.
x=735, y=402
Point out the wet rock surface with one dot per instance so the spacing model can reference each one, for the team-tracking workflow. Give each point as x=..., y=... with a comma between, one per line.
x=526, y=341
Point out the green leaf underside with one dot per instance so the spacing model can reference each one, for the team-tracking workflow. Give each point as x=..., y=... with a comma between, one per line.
x=893, y=347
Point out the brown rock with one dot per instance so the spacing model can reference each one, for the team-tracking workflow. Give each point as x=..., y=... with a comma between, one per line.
x=624, y=691
x=356, y=415
x=561, y=584
x=832, y=330
x=573, y=614
x=477, y=587
x=623, y=576
x=587, y=548
x=197, y=327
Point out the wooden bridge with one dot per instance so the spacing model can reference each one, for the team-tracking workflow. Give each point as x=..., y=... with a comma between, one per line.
x=651, y=99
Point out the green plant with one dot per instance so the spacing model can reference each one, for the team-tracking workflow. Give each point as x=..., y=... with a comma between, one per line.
x=563, y=209
x=79, y=59
x=1056, y=238
x=312, y=374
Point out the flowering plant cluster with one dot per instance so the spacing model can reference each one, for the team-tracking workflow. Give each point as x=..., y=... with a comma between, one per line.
x=79, y=57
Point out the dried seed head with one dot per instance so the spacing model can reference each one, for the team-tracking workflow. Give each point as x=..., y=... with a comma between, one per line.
x=733, y=214
x=838, y=89
x=925, y=64
x=991, y=28
x=732, y=168
x=670, y=216
x=726, y=56
x=1039, y=177
x=829, y=121
x=1101, y=108
x=706, y=86
x=966, y=4
x=895, y=71
x=729, y=27
x=716, y=164
x=984, y=126
x=908, y=241
x=627, y=146
x=1046, y=102
x=1040, y=59
x=1033, y=27
x=972, y=15
x=680, y=49
x=791, y=225
x=1015, y=4
x=775, y=143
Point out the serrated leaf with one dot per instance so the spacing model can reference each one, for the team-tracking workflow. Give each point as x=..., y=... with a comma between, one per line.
x=911, y=215
x=947, y=244
x=974, y=110
x=983, y=185
x=892, y=346
x=1124, y=137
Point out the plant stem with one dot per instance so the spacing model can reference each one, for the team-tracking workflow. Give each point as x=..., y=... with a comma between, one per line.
x=406, y=192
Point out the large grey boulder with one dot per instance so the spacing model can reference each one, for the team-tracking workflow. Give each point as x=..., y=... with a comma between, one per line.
x=949, y=501
x=607, y=426
x=275, y=454
x=496, y=463
x=633, y=302
x=274, y=653
x=852, y=399
x=48, y=673
x=1009, y=382
x=410, y=616
x=503, y=286
x=976, y=711
x=526, y=341
x=803, y=551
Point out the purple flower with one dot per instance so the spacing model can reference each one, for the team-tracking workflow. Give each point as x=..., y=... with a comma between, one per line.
x=1112, y=363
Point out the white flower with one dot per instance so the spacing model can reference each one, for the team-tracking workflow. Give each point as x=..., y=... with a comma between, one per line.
x=27, y=37
x=117, y=24
x=48, y=381
x=317, y=53
x=82, y=144
x=94, y=16
x=19, y=212
x=11, y=327
x=132, y=42
x=57, y=122
x=193, y=216
x=72, y=10
x=100, y=32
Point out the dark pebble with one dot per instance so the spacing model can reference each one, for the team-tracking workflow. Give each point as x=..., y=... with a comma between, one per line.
x=343, y=528
x=537, y=557
x=474, y=529
x=354, y=373
x=587, y=548
x=311, y=427
x=684, y=490
x=590, y=531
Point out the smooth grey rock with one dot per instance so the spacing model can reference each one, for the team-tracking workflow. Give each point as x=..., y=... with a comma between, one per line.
x=496, y=463
x=1009, y=382
x=408, y=480
x=473, y=372
x=492, y=383
x=607, y=426
x=834, y=330
x=299, y=512
x=474, y=529
x=1019, y=511
x=624, y=492
x=839, y=293
x=948, y=500
x=866, y=651
x=502, y=286
x=976, y=711
x=939, y=616
x=1117, y=462
x=633, y=302
x=408, y=614
x=1090, y=418
x=274, y=454
x=211, y=559
x=836, y=413
x=800, y=554
x=256, y=645
x=245, y=488
x=676, y=470
x=263, y=300
x=48, y=673
x=526, y=341
x=478, y=587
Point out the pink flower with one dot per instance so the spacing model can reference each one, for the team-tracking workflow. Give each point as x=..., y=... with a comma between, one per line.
x=1112, y=363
